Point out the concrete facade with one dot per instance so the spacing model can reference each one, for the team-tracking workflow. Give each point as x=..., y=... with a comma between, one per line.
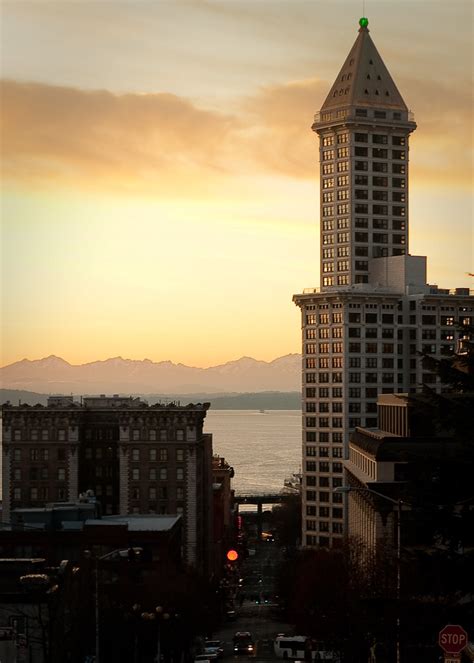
x=363, y=328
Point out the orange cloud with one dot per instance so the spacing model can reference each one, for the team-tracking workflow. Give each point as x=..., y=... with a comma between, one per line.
x=281, y=118
x=162, y=144
x=152, y=141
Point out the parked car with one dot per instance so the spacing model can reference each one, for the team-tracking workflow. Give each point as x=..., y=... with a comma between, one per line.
x=214, y=647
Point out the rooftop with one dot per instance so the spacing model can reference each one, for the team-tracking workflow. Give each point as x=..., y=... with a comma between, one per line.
x=364, y=80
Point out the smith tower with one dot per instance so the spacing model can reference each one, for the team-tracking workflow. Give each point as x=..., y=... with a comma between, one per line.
x=363, y=329
x=363, y=127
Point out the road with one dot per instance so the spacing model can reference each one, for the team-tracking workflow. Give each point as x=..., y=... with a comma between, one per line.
x=258, y=573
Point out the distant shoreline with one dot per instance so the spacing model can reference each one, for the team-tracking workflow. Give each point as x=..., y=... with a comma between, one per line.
x=264, y=400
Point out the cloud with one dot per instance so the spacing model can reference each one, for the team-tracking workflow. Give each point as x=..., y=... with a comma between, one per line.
x=281, y=118
x=63, y=135
x=165, y=145
x=442, y=144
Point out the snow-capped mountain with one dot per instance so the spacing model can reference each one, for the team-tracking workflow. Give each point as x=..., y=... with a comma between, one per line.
x=53, y=374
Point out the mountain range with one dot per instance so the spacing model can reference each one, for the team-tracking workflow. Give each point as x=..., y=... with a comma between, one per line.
x=117, y=375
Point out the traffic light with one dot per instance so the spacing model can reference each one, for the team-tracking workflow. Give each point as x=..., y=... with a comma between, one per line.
x=232, y=555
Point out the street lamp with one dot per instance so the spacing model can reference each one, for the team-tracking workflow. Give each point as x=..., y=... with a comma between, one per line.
x=398, y=503
x=120, y=554
x=159, y=616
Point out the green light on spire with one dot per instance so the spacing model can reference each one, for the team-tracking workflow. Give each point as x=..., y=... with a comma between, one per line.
x=363, y=22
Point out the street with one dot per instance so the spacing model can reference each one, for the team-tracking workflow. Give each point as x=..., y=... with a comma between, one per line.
x=257, y=613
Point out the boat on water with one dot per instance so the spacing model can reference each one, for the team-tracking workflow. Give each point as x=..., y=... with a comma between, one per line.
x=262, y=411
x=294, y=482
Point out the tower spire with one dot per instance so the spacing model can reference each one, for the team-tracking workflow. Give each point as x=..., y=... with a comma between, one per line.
x=364, y=80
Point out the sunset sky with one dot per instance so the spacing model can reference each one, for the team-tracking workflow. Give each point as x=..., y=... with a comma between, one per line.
x=161, y=194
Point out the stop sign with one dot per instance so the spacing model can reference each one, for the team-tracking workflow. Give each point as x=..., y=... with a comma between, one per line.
x=452, y=639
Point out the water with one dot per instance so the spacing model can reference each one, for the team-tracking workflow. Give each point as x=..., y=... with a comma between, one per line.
x=263, y=449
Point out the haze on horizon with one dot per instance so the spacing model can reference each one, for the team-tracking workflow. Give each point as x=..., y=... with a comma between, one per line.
x=160, y=176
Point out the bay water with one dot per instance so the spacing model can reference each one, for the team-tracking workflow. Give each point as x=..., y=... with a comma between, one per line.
x=264, y=448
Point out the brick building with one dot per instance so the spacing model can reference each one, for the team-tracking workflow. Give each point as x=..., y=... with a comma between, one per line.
x=133, y=457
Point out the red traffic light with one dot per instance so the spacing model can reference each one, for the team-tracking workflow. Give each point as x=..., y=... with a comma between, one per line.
x=232, y=555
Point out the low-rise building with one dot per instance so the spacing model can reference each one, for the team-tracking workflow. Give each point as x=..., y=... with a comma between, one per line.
x=413, y=472
x=134, y=458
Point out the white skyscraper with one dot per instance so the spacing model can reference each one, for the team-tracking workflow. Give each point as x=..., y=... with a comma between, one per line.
x=362, y=330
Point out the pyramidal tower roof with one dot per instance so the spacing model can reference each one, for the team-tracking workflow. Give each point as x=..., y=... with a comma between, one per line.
x=364, y=80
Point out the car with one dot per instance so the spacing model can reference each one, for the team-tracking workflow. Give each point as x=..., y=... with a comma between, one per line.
x=214, y=647
x=243, y=643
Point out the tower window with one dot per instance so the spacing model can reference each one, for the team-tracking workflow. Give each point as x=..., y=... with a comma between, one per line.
x=328, y=155
x=398, y=140
x=398, y=224
x=398, y=196
x=398, y=239
x=398, y=168
x=361, y=112
x=398, y=211
x=398, y=183
x=381, y=115
x=366, y=91
x=399, y=154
